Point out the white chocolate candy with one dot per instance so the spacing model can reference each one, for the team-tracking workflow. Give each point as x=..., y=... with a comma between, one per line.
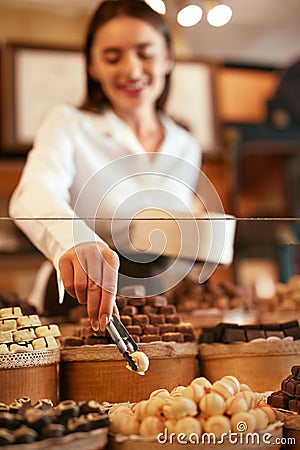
x=181, y=407
x=243, y=422
x=32, y=320
x=194, y=392
x=151, y=426
x=125, y=424
x=26, y=347
x=48, y=330
x=234, y=381
x=44, y=342
x=235, y=404
x=141, y=360
x=204, y=382
x=224, y=388
x=177, y=391
x=188, y=425
x=271, y=413
x=164, y=393
x=212, y=404
x=6, y=337
x=11, y=312
x=261, y=417
x=4, y=348
x=27, y=334
x=217, y=425
x=8, y=325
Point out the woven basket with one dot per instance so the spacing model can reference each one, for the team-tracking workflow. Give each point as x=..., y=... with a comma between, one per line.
x=261, y=365
x=32, y=373
x=99, y=372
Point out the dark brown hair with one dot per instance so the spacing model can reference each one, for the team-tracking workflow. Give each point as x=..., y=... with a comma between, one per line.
x=107, y=10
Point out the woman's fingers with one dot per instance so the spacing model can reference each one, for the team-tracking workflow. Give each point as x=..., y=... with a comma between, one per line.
x=90, y=273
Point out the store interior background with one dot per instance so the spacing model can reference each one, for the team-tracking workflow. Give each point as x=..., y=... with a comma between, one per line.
x=256, y=175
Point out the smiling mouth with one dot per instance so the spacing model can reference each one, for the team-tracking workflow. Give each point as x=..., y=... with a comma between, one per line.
x=135, y=86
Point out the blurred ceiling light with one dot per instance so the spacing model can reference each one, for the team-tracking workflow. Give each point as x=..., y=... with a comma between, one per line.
x=157, y=5
x=189, y=15
x=219, y=15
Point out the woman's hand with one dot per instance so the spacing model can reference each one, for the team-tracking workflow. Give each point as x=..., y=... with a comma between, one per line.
x=90, y=273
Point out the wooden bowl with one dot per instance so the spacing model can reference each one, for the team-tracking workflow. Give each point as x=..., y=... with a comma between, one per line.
x=99, y=371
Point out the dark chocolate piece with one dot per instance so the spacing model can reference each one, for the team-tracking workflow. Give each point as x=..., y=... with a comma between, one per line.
x=78, y=424
x=67, y=409
x=279, y=399
x=121, y=301
x=150, y=338
x=150, y=329
x=296, y=372
x=157, y=319
x=6, y=437
x=91, y=406
x=135, y=329
x=98, y=420
x=36, y=418
x=294, y=332
x=53, y=430
x=129, y=310
x=137, y=301
x=25, y=435
x=140, y=319
x=44, y=404
x=233, y=334
x=172, y=318
x=157, y=300
x=4, y=407
x=167, y=328
x=167, y=309
x=172, y=337
x=126, y=320
x=7, y=420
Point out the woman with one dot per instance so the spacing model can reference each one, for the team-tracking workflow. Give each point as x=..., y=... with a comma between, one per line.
x=81, y=154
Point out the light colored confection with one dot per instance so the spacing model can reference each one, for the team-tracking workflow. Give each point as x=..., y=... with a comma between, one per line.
x=177, y=391
x=170, y=425
x=194, y=392
x=245, y=387
x=204, y=382
x=14, y=346
x=181, y=407
x=167, y=412
x=151, y=427
x=224, y=388
x=271, y=413
x=212, y=404
x=236, y=404
x=11, y=312
x=6, y=337
x=164, y=393
x=8, y=325
x=48, y=330
x=44, y=342
x=141, y=360
x=261, y=417
x=234, y=381
x=188, y=425
x=3, y=348
x=250, y=397
x=139, y=409
x=217, y=425
x=243, y=422
x=27, y=334
x=124, y=424
x=28, y=321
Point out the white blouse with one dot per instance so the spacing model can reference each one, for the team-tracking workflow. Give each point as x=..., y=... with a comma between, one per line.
x=92, y=168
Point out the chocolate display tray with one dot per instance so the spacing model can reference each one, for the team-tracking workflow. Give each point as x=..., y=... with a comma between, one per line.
x=100, y=372
x=91, y=440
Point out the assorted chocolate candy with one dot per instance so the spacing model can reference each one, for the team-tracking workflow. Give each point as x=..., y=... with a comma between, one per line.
x=25, y=332
x=22, y=422
x=288, y=397
x=189, y=295
x=227, y=333
x=147, y=319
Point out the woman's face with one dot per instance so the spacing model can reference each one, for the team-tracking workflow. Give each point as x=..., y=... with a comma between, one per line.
x=130, y=59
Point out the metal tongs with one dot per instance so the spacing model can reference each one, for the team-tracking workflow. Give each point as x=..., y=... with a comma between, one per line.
x=122, y=339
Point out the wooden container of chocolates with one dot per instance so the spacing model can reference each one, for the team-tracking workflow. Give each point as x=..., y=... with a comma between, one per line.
x=100, y=372
x=251, y=362
x=31, y=373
